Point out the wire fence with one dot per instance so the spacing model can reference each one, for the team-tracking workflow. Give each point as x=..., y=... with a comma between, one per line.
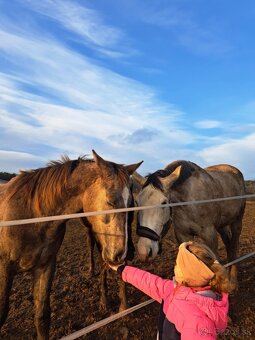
x=117, y=316
x=112, y=211
x=112, y=318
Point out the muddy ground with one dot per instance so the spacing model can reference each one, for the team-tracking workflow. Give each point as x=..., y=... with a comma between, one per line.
x=75, y=300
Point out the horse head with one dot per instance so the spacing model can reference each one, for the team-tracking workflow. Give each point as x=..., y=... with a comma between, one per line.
x=153, y=223
x=110, y=190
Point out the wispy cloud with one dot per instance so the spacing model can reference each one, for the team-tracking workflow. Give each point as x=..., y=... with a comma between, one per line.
x=84, y=23
x=59, y=99
x=208, y=124
x=188, y=32
x=55, y=99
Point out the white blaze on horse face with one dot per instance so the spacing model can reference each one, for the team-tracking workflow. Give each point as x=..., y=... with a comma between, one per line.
x=153, y=219
x=125, y=195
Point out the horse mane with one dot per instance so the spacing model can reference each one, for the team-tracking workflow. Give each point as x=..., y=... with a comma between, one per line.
x=45, y=185
x=186, y=171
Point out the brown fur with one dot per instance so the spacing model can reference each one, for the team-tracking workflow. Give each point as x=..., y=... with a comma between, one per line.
x=61, y=188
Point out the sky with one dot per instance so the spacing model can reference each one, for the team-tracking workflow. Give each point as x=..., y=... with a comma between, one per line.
x=152, y=80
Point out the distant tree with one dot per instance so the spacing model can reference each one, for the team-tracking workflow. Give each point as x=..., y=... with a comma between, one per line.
x=250, y=187
x=6, y=176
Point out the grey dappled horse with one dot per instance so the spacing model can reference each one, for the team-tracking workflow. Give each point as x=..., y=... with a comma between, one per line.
x=63, y=187
x=183, y=181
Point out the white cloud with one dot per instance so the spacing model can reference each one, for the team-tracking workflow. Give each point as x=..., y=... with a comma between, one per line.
x=237, y=152
x=81, y=105
x=12, y=161
x=55, y=100
x=208, y=124
x=82, y=21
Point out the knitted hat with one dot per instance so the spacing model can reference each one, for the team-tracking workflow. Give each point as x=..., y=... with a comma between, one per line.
x=190, y=270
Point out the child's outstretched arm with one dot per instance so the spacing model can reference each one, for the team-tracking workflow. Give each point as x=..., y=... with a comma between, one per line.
x=150, y=284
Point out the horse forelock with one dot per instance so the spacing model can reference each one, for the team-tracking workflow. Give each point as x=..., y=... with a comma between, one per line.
x=44, y=186
x=186, y=171
x=119, y=171
x=154, y=180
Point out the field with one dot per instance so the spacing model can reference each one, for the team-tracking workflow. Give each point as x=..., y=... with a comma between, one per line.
x=75, y=300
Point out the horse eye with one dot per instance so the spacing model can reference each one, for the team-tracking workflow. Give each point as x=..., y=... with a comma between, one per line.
x=164, y=202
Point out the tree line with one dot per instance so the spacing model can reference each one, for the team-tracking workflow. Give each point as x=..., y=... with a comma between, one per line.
x=6, y=176
x=250, y=185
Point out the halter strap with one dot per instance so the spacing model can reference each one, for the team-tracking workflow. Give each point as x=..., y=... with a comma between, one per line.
x=151, y=234
x=147, y=232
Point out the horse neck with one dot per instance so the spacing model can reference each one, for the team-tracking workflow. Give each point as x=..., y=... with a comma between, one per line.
x=69, y=198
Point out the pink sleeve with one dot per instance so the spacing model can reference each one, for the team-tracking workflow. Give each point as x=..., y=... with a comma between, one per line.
x=150, y=284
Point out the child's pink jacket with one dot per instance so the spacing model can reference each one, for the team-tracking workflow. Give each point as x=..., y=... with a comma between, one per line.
x=195, y=316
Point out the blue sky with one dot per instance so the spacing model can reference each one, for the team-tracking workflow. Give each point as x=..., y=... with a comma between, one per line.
x=135, y=80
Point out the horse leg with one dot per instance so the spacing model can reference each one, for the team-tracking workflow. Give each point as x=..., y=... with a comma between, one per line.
x=90, y=245
x=209, y=235
x=225, y=234
x=43, y=277
x=6, y=279
x=103, y=289
x=236, y=229
x=123, y=296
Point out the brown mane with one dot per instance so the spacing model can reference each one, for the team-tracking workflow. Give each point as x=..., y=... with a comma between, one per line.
x=44, y=185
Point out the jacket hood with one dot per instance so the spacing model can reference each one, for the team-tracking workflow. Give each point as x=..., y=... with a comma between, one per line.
x=215, y=310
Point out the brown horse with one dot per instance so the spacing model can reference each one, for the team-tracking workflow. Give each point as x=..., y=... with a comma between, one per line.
x=184, y=181
x=61, y=188
x=103, y=269
x=90, y=260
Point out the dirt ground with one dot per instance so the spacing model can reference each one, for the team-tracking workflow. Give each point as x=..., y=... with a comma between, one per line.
x=75, y=300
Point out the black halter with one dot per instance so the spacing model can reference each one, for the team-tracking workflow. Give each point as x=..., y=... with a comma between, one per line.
x=151, y=234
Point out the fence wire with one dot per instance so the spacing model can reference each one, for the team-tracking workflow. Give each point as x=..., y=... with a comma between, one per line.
x=114, y=317
x=113, y=211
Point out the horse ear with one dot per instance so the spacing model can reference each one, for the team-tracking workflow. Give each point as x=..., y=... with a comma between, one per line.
x=169, y=180
x=101, y=163
x=132, y=167
x=137, y=178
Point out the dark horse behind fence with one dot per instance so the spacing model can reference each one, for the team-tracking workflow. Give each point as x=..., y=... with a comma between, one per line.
x=182, y=181
x=61, y=188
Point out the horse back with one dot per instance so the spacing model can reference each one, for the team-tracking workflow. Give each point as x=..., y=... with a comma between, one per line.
x=229, y=178
x=231, y=183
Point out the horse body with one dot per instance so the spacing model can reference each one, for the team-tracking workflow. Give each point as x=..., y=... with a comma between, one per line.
x=61, y=188
x=185, y=181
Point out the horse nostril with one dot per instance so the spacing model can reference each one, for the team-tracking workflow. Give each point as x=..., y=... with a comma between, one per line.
x=150, y=253
x=119, y=256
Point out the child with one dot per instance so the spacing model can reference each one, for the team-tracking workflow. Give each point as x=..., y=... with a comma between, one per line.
x=194, y=305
